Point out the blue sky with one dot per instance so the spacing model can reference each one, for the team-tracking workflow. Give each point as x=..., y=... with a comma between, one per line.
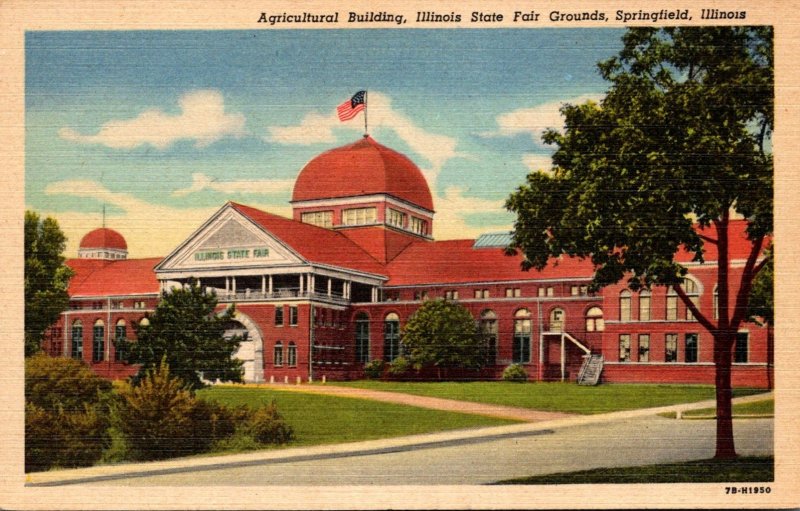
x=163, y=127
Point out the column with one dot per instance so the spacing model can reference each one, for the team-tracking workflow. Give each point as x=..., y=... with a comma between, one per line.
x=233, y=285
x=563, y=358
x=227, y=285
x=302, y=279
x=269, y=289
x=330, y=283
x=263, y=285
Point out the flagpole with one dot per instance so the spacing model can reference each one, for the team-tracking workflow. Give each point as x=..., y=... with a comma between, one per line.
x=366, y=133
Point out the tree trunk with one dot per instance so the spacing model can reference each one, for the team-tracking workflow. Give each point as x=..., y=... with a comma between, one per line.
x=723, y=343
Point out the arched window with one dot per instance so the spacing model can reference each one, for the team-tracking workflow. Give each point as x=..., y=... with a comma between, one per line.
x=391, y=337
x=594, y=320
x=291, y=355
x=521, y=349
x=77, y=339
x=98, y=341
x=144, y=322
x=644, y=305
x=488, y=327
x=625, y=305
x=557, y=320
x=362, y=337
x=693, y=291
x=120, y=336
x=277, y=353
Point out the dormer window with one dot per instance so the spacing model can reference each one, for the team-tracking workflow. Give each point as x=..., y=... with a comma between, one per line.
x=418, y=226
x=359, y=216
x=395, y=218
x=318, y=218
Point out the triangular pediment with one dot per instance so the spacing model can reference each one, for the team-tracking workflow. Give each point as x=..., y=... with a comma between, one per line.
x=230, y=240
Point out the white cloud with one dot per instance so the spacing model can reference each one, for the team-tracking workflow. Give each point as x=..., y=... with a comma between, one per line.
x=534, y=121
x=202, y=182
x=318, y=128
x=453, y=207
x=150, y=229
x=202, y=119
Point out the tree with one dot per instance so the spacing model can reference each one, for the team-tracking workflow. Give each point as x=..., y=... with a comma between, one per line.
x=185, y=332
x=681, y=140
x=46, y=278
x=442, y=334
x=761, y=305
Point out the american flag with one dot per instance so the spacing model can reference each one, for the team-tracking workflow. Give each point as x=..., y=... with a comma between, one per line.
x=352, y=106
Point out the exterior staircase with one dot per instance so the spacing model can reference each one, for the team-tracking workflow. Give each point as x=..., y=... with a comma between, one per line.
x=590, y=370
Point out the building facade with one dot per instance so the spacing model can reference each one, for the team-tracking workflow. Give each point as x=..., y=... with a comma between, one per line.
x=328, y=290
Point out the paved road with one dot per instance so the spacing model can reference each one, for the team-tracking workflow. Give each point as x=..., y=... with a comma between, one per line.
x=624, y=442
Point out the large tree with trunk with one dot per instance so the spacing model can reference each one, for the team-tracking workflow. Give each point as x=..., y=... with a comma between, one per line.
x=681, y=140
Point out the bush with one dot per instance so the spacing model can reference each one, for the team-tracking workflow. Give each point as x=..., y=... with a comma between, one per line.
x=266, y=426
x=399, y=366
x=515, y=372
x=374, y=369
x=66, y=414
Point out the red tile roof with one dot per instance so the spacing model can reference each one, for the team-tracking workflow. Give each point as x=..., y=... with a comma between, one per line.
x=362, y=168
x=95, y=277
x=738, y=245
x=104, y=238
x=315, y=244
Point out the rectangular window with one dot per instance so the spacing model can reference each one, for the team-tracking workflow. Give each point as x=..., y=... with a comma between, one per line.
x=359, y=216
x=574, y=290
x=696, y=301
x=509, y=292
x=671, y=348
x=644, y=307
x=396, y=218
x=292, y=316
x=451, y=295
x=291, y=356
x=77, y=342
x=318, y=218
x=691, y=347
x=625, y=308
x=584, y=290
x=521, y=348
x=278, y=354
x=513, y=292
x=624, y=348
x=279, y=315
x=740, y=352
x=481, y=293
x=550, y=291
x=672, y=307
x=541, y=291
x=418, y=225
x=120, y=335
x=362, y=340
x=644, y=347
x=98, y=344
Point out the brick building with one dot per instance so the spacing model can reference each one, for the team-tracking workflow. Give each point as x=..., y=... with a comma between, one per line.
x=326, y=291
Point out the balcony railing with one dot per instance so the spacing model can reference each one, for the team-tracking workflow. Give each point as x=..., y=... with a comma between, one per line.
x=277, y=294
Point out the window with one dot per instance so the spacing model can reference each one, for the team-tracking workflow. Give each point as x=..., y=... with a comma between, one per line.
x=277, y=355
x=573, y=291
x=451, y=295
x=550, y=291
x=488, y=327
x=98, y=341
x=481, y=293
x=396, y=218
x=359, y=216
x=521, y=349
x=138, y=305
x=740, y=350
x=77, y=339
x=584, y=290
x=715, y=303
x=691, y=289
x=420, y=295
x=120, y=336
x=541, y=292
x=391, y=337
x=556, y=320
x=644, y=305
x=318, y=218
x=292, y=315
x=624, y=348
x=418, y=225
x=691, y=345
x=362, y=338
x=513, y=292
x=279, y=315
x=144, y=322
x=671, y=348
x=644, y=347
x=291, y=355
x=625, y=305
x=594, y=320
x=672, y=305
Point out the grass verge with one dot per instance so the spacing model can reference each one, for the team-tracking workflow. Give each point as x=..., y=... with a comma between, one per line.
x=319, y=419
x=557, y=397
x=754, y=409
x=745, y=469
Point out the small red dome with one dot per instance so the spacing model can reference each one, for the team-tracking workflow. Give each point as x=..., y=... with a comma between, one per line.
x=362, y=168
x=104, y=238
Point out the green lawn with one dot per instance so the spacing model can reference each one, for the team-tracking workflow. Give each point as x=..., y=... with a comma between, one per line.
x=765, y=407
x=749, y=469
x=560, y=397
x=319, y=419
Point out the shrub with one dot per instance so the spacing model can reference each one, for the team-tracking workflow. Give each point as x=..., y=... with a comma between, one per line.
x=213, y=422
x=515, y=372
x=66, y=414
x=374, y=369
x=399, y=366
x=266, y=426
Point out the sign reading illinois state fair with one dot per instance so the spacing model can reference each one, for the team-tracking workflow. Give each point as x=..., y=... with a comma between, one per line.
x=232, y=254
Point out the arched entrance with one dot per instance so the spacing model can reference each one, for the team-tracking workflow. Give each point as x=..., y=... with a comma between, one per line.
x=251, y=347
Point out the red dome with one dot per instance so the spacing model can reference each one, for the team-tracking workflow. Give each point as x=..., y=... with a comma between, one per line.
x=104, y=238
x=362, y=168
